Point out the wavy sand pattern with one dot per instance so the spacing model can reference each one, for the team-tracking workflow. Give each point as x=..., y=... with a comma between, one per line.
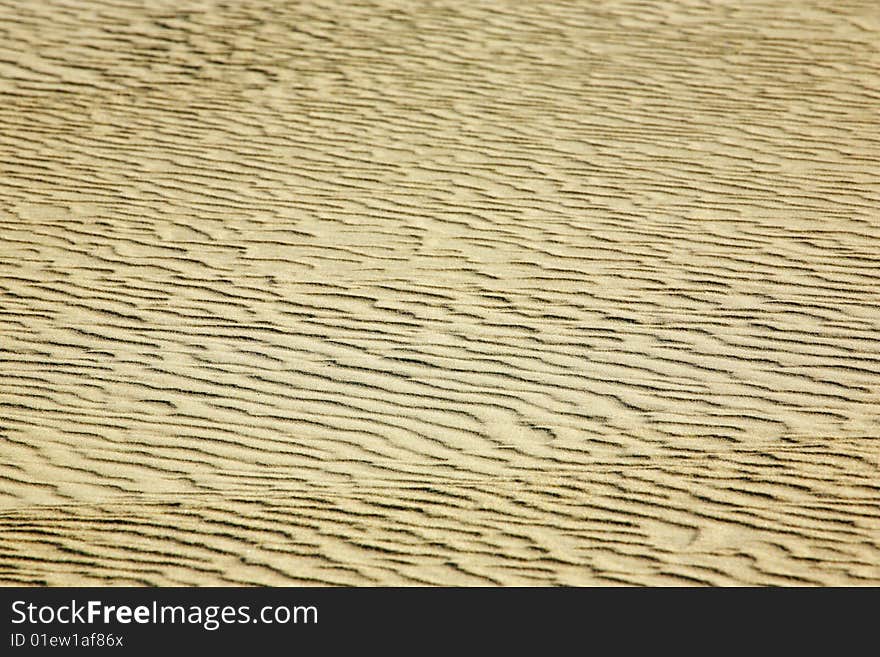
x=444, y=292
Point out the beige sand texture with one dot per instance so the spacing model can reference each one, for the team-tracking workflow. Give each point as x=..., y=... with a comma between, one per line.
x=396, y=292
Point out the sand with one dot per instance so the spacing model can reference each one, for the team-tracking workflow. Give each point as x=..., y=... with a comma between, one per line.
x=478, y=293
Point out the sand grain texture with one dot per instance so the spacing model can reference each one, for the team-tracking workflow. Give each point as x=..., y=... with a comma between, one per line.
x=440, y=292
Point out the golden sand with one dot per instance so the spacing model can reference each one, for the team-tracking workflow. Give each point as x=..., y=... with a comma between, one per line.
x=448, y=292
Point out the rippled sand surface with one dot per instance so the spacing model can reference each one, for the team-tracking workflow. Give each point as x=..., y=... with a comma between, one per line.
x=394, y=292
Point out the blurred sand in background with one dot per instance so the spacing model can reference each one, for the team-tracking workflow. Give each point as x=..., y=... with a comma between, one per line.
x=447, y=292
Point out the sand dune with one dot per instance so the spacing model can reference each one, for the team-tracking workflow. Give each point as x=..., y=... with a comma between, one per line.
x=440, y=292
